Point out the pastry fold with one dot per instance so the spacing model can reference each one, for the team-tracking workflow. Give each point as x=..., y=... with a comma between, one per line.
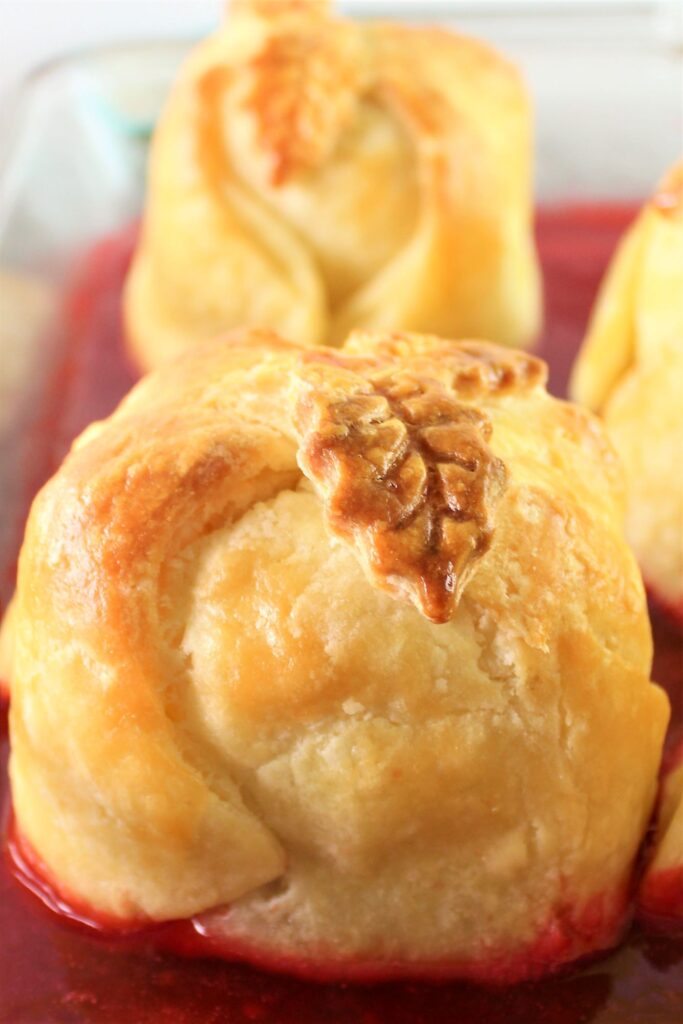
x=311, y=175
x=344, y=651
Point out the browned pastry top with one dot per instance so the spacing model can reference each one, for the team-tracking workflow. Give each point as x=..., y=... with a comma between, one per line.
x=406, y=473
x=314, y=174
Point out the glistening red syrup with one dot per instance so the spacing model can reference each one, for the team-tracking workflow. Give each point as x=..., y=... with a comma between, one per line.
x=661, y=899
x=52, y=974
x=571, y=933
x=31, y=871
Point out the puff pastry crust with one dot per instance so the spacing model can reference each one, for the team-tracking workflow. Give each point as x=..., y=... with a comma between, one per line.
x=630, y=370
x=345, y=652
x=312, y=175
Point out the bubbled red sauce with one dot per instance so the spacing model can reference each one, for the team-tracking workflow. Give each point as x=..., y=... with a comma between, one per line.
x=62, y=964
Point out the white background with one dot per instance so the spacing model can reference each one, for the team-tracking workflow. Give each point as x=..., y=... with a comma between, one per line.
x=605, y=76
x=33, y=31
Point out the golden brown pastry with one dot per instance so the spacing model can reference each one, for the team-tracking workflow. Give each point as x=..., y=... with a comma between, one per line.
x=311, y=175
x=630, y=370
x=661, y=891
x=6, y=647
x=345, y=652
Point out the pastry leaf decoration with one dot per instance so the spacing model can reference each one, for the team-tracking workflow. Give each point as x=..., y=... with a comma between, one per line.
x=405, y=473
x=471, y=369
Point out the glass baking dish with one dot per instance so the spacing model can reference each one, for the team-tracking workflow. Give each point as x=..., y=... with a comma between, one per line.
x=604, y=80
x=605, y=83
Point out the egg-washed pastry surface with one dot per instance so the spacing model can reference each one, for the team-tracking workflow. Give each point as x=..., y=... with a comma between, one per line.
x=630, y=370
x=345, y=652
x=311, y=174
